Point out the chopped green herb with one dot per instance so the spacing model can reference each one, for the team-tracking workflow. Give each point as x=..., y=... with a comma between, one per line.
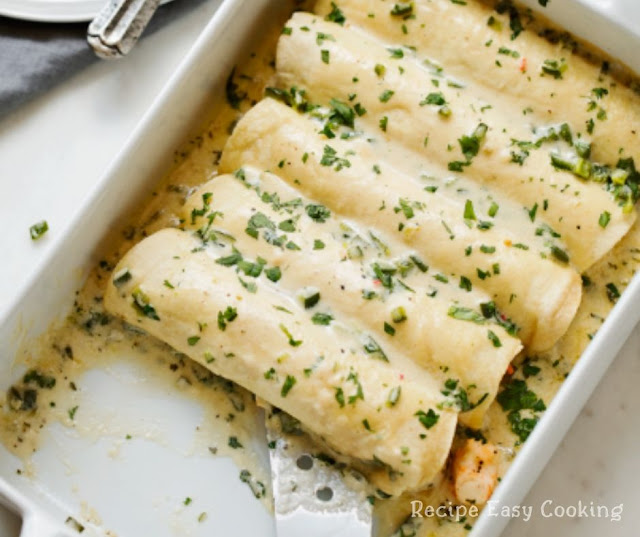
x=386, y=95
x=379, y=70
x=555, y=68
x=372, y=347
x=529, y=370
x=330, y=158
x=234, y=97
x=469, y=213
x=229, y=260
x=359, y=109
x=422, y=267
x=289, y=383
x=323, y=319
x=434, y=98
x=288, y=225
x=41, y=380
x=428, y=419
x=402, y=9
x=273, y=273
x=309, y=296
x=517, y=396
x=322, y=37
x=459, y=396
x=470, y=144
x=342, y=113
x=613, y=294
x=336, y=15
x=559, y=254
x=508, y=52
x=142, y=304
x=38, y=229
x=121, y=277
x=227, y=316
x=465, y=314
x=394, y=396
x=514, y=17
x=398, y=315
x=293, y=342
x=494, y=338
x=318, y=213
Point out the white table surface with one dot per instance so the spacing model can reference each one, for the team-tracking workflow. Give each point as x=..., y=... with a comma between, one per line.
x=54, y=149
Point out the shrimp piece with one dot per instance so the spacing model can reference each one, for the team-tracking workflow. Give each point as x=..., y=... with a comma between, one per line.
x=475, y=472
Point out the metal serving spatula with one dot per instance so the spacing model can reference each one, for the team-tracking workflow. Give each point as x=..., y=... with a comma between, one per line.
x=313, y=496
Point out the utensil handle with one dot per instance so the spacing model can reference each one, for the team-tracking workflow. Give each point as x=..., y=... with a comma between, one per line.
x=116, y=29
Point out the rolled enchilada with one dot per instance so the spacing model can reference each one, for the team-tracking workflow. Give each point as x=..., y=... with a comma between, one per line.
x=583, y=92
x=329, y=61
x=540, y=295
x=392, y=295
x=172, y=287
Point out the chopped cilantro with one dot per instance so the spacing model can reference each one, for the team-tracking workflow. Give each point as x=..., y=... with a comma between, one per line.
x=427, y=419
x=613, y=294
x=494, y=338
x=402, y=9
x=142, y=304
x=336, y=15
x=38, y=229
x=227, y=316
x=322, y=319
x=555, y=68
x=289, y=383
x=386, y=95
x=273, y=273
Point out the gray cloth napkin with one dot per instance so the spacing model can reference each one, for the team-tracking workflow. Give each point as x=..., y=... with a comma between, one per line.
x=35, y=56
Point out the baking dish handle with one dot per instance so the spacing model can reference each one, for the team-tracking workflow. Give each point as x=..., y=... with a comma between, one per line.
x=35, y=525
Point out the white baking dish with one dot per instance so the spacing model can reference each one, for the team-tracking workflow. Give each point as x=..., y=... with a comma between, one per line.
x=141, y=494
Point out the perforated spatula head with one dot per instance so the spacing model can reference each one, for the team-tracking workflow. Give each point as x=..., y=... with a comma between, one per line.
x=313, y=496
